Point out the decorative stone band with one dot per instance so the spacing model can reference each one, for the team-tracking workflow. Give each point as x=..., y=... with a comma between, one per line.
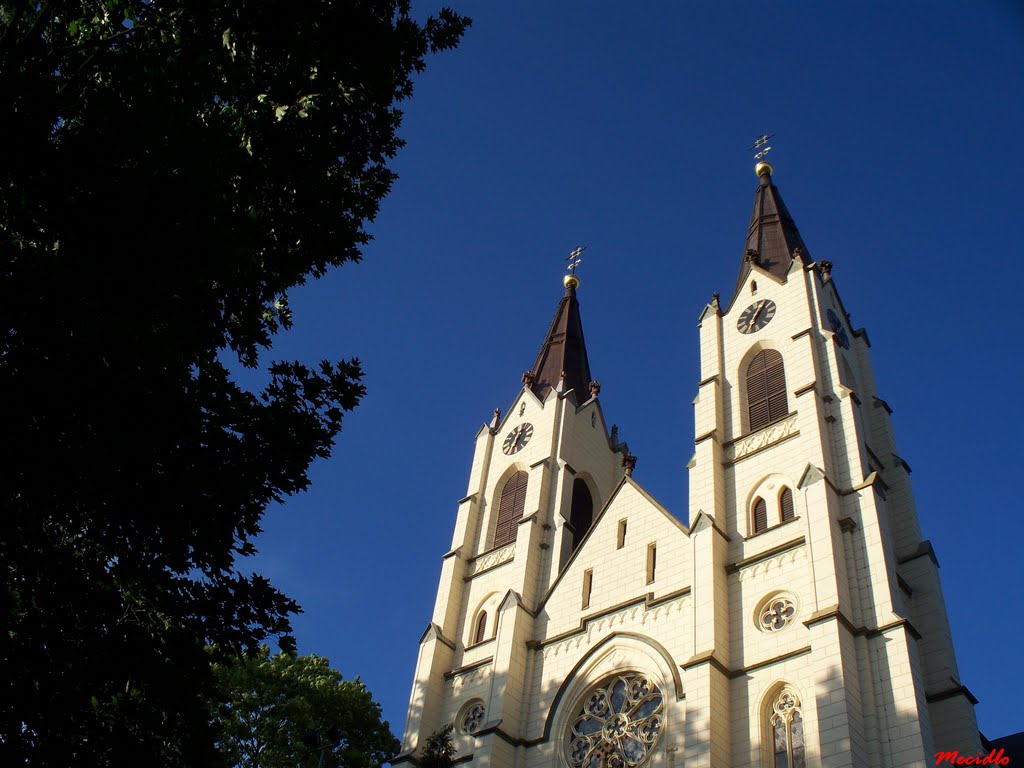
x=644, y=609
x=469, y=668
x=492, y=559
x=756, y=441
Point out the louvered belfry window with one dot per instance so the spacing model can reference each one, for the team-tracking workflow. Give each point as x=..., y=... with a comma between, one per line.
x=510, y=508
x=786, y=504
x=766, y=389
x=581, y=513
x=760, y=515
x=481, y=628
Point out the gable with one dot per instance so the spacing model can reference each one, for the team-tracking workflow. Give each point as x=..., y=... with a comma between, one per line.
x=619, y=574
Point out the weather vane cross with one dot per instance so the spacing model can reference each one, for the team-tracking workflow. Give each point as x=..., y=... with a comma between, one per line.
x=762, y=144
x=574, y=259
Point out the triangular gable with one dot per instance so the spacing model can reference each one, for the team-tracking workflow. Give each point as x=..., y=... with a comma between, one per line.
x=624, y=499
x=433, y=632
x=861, y=332
x=603, y=424
x=753, y=271
x=704, y=520
x=512, y=412
x=511, y=600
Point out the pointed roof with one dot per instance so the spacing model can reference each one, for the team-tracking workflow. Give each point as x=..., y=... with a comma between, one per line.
x=772, y=237
x=563, y=350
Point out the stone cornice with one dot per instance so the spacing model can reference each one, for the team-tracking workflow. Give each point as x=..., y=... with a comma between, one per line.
x=805, y=389
x=767, y=554
x=705, y=658
x=960, y=690
x=833, y=612
x=468, y=668
x=924, y=548
x=648, y=601
x=769, y=662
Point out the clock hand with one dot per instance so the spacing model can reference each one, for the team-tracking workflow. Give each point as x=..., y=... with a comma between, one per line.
x=760, y=306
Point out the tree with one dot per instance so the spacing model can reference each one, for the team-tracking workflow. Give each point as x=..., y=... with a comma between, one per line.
x=285, y=711
x=439, y=749
x=172, y=169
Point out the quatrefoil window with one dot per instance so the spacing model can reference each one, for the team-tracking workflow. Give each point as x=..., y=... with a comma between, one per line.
x=618, y=723
x=472, y=718
x=776, y=614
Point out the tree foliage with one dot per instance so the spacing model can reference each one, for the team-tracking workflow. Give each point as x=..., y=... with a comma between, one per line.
x=172, y=168
x=285, y=711
x=439, y=749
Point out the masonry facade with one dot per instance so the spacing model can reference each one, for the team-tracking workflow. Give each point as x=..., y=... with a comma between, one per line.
x=797, y=619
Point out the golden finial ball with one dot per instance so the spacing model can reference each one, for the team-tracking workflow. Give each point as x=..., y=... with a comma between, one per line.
x=571, y=281
x=763, y=167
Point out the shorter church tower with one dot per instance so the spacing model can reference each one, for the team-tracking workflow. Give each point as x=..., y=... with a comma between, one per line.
x=539, y=474
x=796, y=620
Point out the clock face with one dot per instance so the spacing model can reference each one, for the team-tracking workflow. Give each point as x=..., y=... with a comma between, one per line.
x=838, y=329
x=518, y=438
x=756, y=316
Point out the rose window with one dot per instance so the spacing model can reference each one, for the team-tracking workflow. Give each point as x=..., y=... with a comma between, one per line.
x=776, y=614
x=618, y=723
x=473, y=718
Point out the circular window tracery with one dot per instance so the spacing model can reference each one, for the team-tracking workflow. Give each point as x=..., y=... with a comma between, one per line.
x=472, y=718
x=617, y=724
x=776, y=614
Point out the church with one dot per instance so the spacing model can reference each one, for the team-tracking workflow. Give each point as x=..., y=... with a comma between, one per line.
x=796, y=620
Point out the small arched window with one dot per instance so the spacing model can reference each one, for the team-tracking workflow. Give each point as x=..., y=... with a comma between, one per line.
x=481, y=628
x=760, y=515
x=510, y=508
x=786, y=504
x=786, y=726
x=581, y=513
x=766, y=389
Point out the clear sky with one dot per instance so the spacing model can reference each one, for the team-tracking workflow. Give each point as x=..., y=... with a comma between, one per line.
x=624, y=127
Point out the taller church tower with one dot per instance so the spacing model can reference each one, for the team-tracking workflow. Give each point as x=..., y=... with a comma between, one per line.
x=796, y=620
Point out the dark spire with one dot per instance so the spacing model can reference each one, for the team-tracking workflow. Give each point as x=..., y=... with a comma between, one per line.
x=773, y=240
x=564, y=352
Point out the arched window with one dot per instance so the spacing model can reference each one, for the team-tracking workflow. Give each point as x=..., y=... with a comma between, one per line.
x=481, y=628
x=786, y=725
x=581, y=513
x=510, y=508
x=760, y=515
x=766, y=389
x=786, y=504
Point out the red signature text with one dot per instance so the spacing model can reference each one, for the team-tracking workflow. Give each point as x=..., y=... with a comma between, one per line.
x=955, y=758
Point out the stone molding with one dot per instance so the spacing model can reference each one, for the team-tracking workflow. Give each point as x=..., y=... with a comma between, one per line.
x=773, y=556
x=489, y=560
x=643, y=610
x=750, y=444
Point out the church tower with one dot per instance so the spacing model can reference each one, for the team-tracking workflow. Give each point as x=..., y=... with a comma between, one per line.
x=797, y=619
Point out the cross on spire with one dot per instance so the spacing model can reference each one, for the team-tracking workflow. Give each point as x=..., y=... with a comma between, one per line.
x=761, y=143
x=574, y=259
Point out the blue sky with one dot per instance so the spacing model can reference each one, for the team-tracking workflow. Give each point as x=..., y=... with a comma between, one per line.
x=625, y=128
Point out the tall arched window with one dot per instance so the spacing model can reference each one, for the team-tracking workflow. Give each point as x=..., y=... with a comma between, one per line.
x=581, y=514
x=760, y=515
x=766, y=389
x=510, y=508
x=786, y=725
x=786, y=504
x=481, y=628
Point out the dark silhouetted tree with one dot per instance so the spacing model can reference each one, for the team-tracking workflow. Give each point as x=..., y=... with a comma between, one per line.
x=172, y=168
